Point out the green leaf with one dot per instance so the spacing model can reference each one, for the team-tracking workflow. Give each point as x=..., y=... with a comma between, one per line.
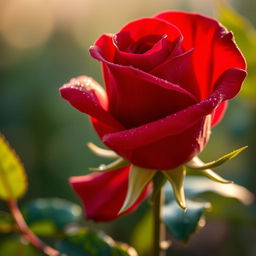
x=119, y=163
x=198, y=186
x=176, y=178
x=141, y=241
x=101, y=151
x=6, y=222
x=44, y=228
x=245, y=37
x=13, y=180
x=13, y=247
x=195, y=165
x=139, y=178
x=87, y=243
x=181, y=223
x=47, y=215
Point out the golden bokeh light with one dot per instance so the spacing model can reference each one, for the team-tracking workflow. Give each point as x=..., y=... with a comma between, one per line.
x=26, y=23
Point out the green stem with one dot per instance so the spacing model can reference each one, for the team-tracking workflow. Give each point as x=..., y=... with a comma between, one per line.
x=158, y=227
x=27, y=233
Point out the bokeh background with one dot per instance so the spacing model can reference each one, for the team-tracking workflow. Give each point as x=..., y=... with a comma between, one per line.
x=44, y=43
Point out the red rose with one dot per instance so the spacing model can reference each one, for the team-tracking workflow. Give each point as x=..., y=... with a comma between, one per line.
x=167, y=80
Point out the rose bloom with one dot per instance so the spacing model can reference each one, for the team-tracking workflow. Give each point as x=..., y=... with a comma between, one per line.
x=167, y=82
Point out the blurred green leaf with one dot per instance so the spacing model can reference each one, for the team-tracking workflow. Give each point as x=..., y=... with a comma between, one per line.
x=141, y=241
x=87, y=243
x=55, y=213
x=13, y=180
x=44, y=228
x=245, y=37
x=6, y=222
x=196, y=186
x=182, y=223
x=13, y=247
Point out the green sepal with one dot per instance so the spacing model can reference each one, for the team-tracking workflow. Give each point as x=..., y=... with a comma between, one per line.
x=139, y=178
x=119, y=163
x=176, y=178
x=102, y=152
x=208, y=172
x=202, y=166
x=214, y=176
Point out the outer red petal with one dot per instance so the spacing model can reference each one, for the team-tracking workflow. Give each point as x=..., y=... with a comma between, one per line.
x=178, y=70
x=103, y=194
x=128, y=143
x=215, y=51
x=219, y=113
x=89, y=97
x=126, y=85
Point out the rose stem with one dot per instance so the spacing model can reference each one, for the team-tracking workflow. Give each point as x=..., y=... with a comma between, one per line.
x=27, y=233
x=158, y=226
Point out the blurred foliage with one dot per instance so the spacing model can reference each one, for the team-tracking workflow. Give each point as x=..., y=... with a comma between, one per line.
x=50, y=136
x=86, y=243
x=14, y=246
x=48, y=217
x=13, y=180
x=245, y=37
x=182, y=224
x=61, y=212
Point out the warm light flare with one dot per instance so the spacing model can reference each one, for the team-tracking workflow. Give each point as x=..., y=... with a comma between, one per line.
x=26, y=23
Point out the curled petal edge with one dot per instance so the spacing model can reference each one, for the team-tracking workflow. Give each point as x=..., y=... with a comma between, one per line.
x=95, y=52
x=227, y=86
x=86, y=95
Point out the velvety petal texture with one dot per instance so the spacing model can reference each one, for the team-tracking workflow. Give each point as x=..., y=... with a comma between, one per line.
x=167, y=83
x=103, y=194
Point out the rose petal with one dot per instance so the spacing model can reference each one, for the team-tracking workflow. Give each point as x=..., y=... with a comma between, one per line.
x=173, y=151
x=228, y=85
x=145, y=43
x=141, y=28
x=146, y=61
x=219, y=113
x=215, y=51
x=103, y=194
x=178, y=71
x=89, y=97
x=125, y=87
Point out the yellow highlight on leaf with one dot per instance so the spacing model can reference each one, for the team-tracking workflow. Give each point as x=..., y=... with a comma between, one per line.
x=13, y=180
